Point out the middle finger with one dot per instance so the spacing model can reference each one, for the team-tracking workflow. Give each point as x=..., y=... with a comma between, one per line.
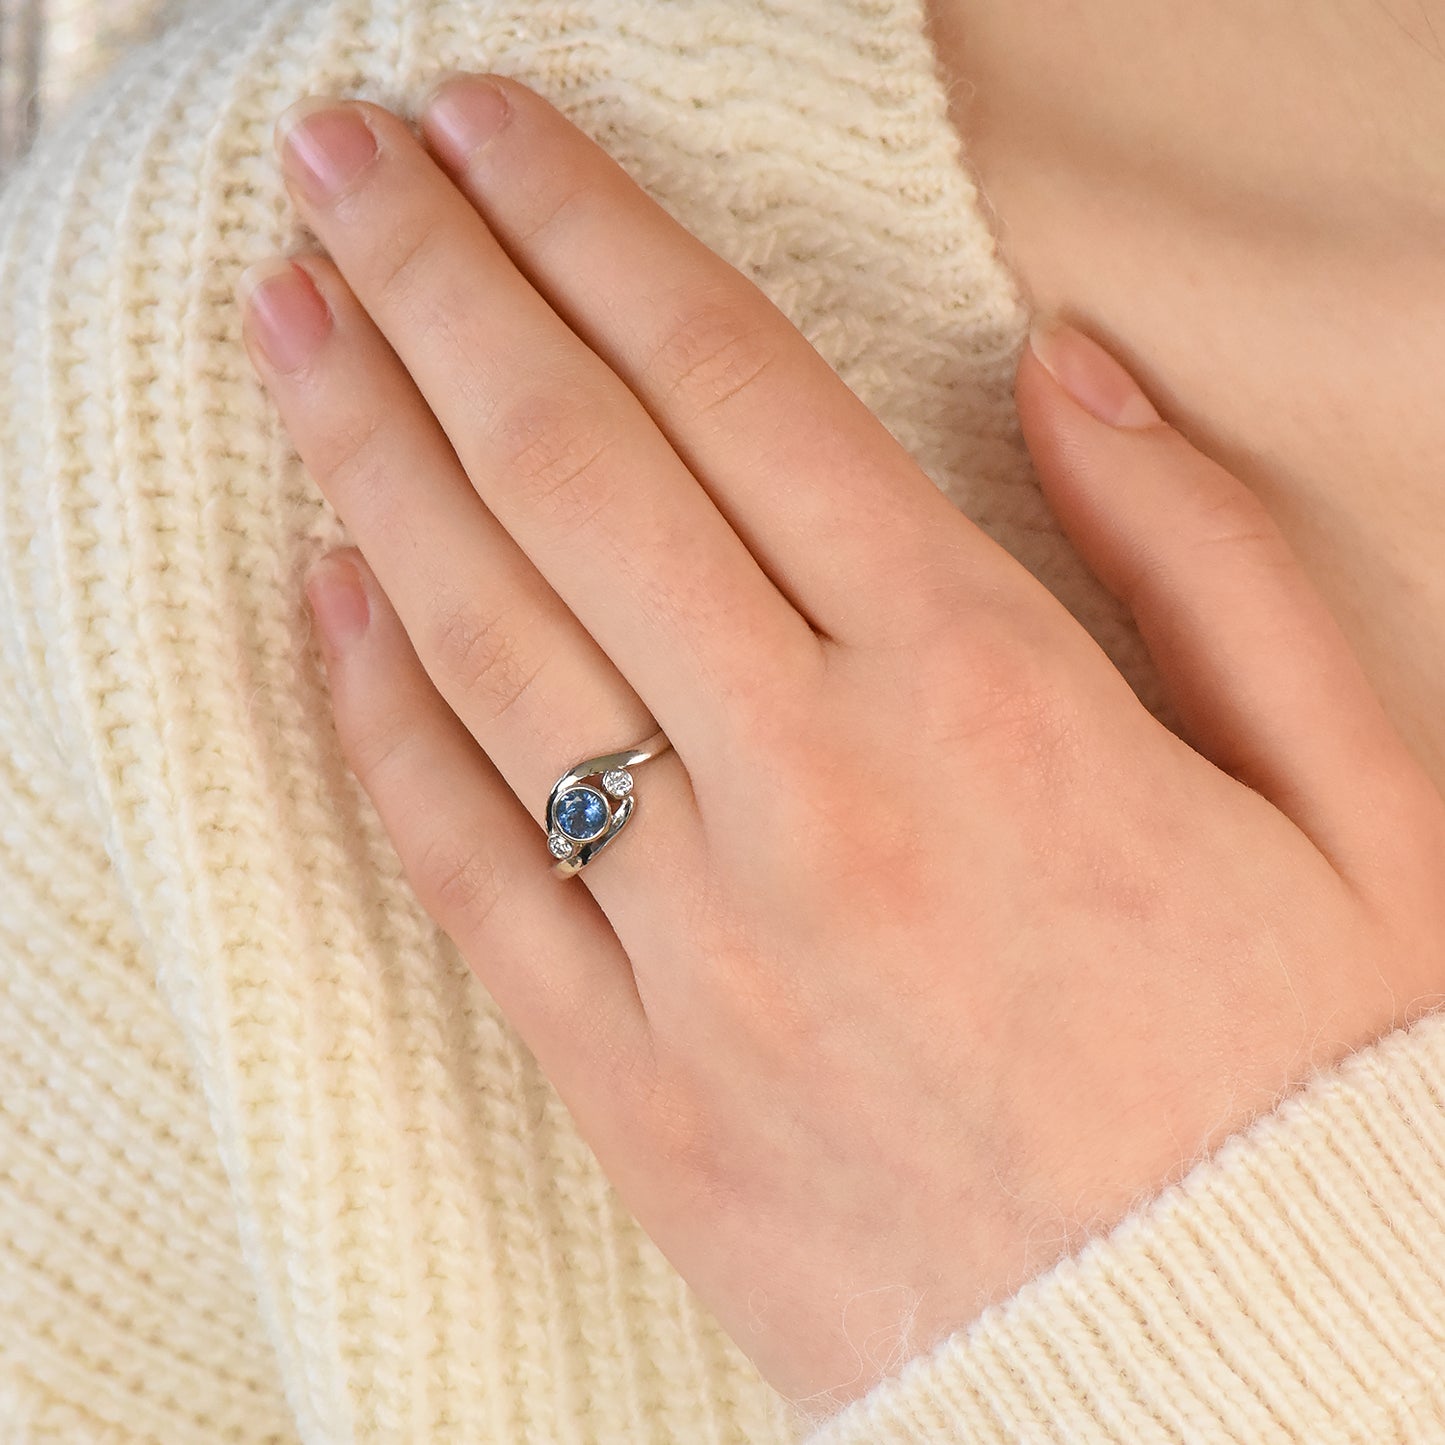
x=555, y=443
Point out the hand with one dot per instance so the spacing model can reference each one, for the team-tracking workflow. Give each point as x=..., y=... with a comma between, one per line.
x=929, y=951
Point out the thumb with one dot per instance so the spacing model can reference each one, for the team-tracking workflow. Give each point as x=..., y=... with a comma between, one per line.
x=1253, y=661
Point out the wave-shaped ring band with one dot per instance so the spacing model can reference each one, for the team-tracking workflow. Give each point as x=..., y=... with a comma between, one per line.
x=582, y=818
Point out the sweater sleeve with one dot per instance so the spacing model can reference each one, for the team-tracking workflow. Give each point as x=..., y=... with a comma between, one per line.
x=1290, y=1288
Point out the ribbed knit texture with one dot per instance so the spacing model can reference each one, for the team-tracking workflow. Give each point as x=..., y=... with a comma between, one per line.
x=273, y=1167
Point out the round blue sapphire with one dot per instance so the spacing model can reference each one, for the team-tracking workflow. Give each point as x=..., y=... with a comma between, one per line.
x=582, y=813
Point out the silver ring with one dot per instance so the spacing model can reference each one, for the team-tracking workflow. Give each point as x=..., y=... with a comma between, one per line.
x=582, y=819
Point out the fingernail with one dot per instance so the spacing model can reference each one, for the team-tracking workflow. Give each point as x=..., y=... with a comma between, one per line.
x=284, y=312
x=338, y=598
x=324, y=146
x=1091, y=376
x=466, y=111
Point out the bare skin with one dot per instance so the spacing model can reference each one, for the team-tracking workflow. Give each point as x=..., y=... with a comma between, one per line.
x=1246, y=203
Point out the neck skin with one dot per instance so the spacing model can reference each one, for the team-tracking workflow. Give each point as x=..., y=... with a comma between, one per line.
x=1246, y=203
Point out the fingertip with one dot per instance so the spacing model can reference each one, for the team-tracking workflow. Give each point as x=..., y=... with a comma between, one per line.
x=1090, y=375
x=336, y=589
x=464, y=114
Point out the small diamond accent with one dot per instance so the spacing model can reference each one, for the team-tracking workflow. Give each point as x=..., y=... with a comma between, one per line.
x=561, y=847
x=618, y=782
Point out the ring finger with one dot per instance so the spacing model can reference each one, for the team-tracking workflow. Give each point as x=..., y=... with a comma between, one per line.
x=463, y=842
x=529, y=683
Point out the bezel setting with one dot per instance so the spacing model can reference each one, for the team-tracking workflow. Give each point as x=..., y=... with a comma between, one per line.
x=581, y=796
x=617, y=781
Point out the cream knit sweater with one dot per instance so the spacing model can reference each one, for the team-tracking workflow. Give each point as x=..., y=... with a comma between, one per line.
x=272, y=1165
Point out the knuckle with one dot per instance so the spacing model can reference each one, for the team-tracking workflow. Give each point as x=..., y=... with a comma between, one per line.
x=403, y=270
x=712, y=354
x=478, y=657
x=553, y=216
x=457, y=882
x=1233, y=516
x=375, y=745
x=359, y=476
x=1224, y=522
x=1243, y=535
x=412, y=278
x=1001, y=695
x=552, y=448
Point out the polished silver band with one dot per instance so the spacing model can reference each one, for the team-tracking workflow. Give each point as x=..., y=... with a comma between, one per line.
x=583, y=818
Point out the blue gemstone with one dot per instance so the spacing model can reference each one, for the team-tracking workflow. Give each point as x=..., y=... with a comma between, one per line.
x=581, y=813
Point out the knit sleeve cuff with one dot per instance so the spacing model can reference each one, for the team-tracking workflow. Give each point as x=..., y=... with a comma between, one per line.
x=1290, y=1288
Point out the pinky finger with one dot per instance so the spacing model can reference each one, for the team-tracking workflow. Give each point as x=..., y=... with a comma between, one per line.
x=477, y=862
